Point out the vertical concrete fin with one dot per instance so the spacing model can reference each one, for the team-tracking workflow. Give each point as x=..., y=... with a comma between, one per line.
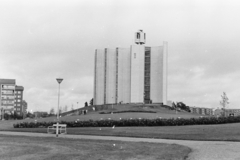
x=165, y=71
x=95, y=78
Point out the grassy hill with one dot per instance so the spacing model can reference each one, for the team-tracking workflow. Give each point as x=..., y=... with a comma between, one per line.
x=228, y=132
x=128, y=111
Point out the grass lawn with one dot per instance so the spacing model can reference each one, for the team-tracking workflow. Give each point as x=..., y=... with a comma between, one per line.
x=228, y=132
x=16, y=147
x=222, y=132
x=97, y=116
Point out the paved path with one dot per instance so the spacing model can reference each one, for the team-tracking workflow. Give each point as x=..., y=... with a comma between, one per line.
x=202, y=150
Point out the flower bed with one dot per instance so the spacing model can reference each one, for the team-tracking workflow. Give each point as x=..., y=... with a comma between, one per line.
x=134, y=122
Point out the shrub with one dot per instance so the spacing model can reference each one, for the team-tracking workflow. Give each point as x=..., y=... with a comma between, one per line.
x=134, y=122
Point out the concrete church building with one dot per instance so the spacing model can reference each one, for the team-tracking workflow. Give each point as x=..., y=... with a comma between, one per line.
x=134, y=75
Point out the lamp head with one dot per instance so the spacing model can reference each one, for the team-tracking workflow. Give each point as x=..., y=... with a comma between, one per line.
x=59, y=80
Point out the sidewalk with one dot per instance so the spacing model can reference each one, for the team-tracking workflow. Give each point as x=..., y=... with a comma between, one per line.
x=202, y=150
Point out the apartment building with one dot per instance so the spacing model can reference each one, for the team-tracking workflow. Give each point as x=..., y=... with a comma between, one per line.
x=11, y=98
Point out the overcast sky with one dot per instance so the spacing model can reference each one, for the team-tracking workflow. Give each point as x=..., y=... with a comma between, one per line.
x=45, y=39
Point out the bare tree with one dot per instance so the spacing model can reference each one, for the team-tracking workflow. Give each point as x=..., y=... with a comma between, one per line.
x=65, y=108
x=52, y=111
x=60, y=110
x=224, y=102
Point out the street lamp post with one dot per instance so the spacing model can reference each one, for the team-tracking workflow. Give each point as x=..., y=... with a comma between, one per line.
x=59, y=80
x=112, y=106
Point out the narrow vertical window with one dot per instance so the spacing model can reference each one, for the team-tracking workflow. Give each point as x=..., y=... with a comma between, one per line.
x=147, y=73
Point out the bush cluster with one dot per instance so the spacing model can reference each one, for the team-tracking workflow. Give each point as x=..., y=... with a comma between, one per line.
x=134, y=122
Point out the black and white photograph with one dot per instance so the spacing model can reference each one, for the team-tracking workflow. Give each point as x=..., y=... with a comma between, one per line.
x=119, y=79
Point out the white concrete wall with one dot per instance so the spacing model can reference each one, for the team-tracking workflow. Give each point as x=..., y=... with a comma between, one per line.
x=111, y=76
x=130, y=76
x=165, y=71
x=156, y=75
x=137, y=73
x=159, y=73
x=99, y=97
x=124, y=86
x=94, y=79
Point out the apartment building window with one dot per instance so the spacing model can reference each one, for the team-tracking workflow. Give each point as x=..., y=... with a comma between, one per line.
x=8, y=86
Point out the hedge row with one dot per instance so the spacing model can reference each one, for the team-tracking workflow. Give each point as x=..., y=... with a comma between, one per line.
x=134, y=122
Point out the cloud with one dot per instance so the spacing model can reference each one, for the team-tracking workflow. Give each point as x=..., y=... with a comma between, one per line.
x=43, y=40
